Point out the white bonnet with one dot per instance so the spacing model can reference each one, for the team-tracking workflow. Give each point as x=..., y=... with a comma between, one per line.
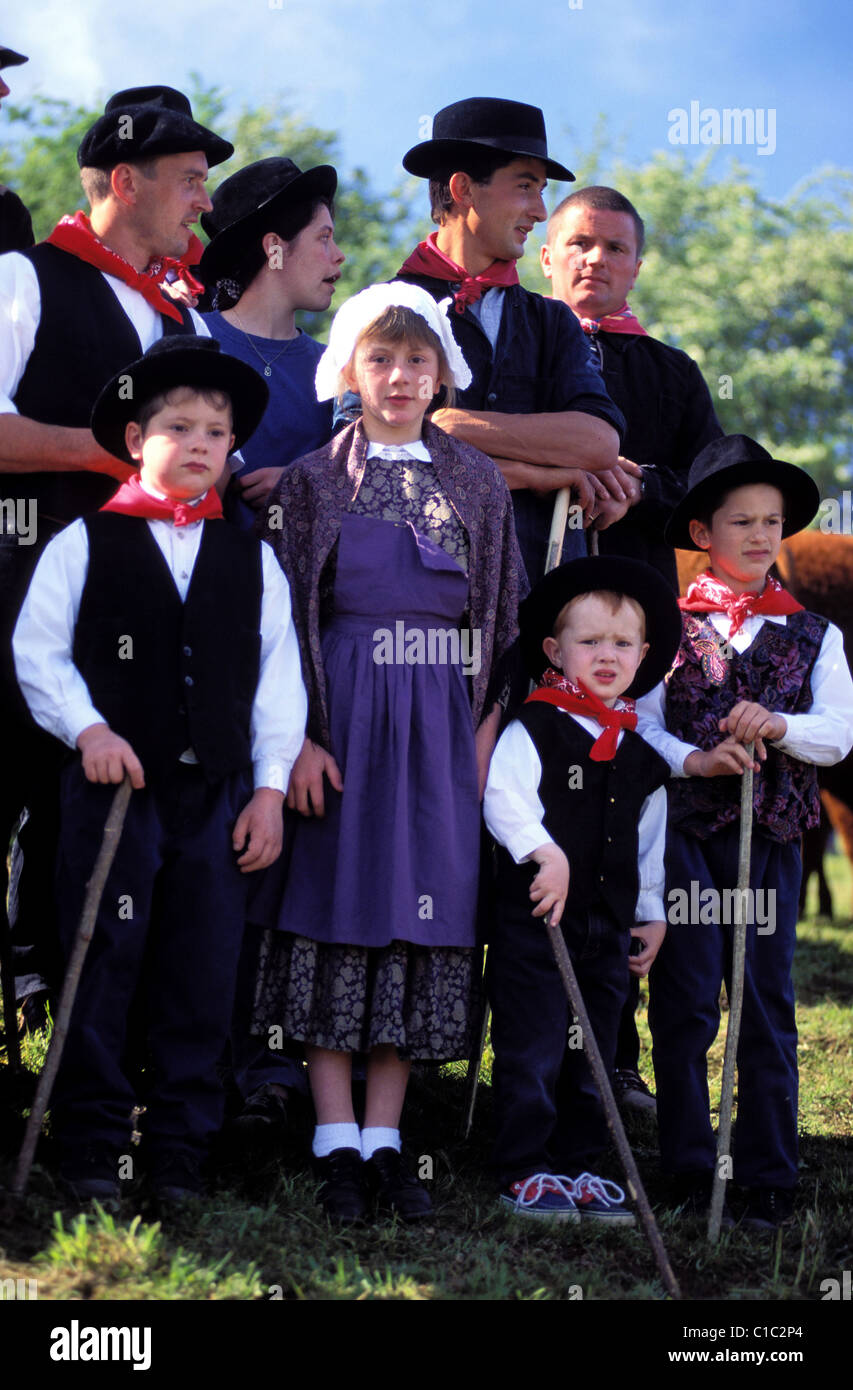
x=367, y=306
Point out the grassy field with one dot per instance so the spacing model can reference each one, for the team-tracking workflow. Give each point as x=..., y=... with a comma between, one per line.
x=260, y=1236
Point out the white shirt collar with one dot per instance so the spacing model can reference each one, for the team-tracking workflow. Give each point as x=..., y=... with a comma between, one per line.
x=415, y=449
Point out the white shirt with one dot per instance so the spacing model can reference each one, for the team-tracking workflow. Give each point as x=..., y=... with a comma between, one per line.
x=823, y=736
x=20, y=315
x=58, y=696
x=514, y=813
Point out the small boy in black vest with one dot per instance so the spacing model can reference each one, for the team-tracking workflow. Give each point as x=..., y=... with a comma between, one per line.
x=576, y=801
x=157, y=640
x=753, y=666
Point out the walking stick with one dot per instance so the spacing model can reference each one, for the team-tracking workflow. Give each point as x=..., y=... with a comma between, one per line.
x=553, y=555
x=94, y=893
x=614, y=1120
x=724, y=1129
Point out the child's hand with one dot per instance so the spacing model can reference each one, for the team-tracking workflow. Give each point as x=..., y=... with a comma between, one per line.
x=107, y=757
x=749, y=722
x=258, y=831
x=550, y=887
x=305, y=789
x=728, y=757
x=651, y=934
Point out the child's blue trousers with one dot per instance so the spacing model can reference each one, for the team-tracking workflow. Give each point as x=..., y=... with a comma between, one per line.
x=548, y=1116
x=167, y=940
x=684, y=1009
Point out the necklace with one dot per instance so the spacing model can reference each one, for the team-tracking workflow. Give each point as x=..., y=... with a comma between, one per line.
x=268, y=363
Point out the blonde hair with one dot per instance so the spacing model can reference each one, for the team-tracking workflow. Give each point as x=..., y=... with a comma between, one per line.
x=612, y=599
x=399, y=324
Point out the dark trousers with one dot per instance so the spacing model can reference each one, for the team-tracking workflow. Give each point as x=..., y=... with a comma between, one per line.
x=684, y=1011
x=548, y=1114
x=166, y=941
x=30, y=777
x=628, y=1040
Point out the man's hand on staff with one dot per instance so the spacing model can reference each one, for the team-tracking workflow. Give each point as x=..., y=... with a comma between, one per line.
x=550, y=887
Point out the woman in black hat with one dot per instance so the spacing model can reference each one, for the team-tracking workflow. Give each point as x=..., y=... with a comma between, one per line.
x=273, y=253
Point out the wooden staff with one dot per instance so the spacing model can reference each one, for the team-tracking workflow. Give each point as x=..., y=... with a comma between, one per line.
x=724, y=1129
x=614, y=1120
x=94, y=893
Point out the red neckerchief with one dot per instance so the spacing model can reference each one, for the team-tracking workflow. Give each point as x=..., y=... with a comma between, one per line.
x=132, y=500
x=74, y=234
x=707, y=594
x=621, y=321
x=426, y=259
x=557, y=689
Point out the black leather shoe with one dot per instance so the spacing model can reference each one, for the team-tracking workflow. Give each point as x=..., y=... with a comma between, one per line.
x=768, y=1208
x=176, y=1178
x=397, y=1191
x=342, y=1194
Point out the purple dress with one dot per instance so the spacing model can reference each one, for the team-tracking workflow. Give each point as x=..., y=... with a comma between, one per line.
x=377, y=922
x=395, y=856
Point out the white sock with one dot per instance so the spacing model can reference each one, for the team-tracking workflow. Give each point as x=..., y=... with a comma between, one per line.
x=378, y=1137
x=330, y=1137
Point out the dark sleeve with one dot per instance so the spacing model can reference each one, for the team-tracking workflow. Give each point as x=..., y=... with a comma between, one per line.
x=665, y=481
x=16, y=228
x=578, y=383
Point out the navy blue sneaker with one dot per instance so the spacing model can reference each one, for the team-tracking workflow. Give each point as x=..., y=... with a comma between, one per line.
x=542, y=1196
x=598, y=1199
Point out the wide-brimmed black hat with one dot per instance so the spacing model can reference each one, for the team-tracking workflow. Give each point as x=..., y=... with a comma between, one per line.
x=178, y=359
x=10, y=59
x=248, y=202
x=735, y=460
x=144, y=122
x=483, y=123
x=540, y=610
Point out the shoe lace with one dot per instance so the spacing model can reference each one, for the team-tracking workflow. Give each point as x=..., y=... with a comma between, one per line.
x=531, y=1189
x=589, y=1185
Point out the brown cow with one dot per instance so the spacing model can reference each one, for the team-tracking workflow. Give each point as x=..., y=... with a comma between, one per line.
x=818, y=570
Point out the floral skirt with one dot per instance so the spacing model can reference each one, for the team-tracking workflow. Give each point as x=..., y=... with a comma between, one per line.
x=423, y=1000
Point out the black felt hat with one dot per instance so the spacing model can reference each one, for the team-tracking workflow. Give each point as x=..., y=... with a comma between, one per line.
x=143, y=123
x=247, y=203
x=10, y=59
x=540, y=610
x=483, y=123
x=178, y=359
x=735, y=460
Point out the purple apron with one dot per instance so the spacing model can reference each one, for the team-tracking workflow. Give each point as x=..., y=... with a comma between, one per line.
x=396, y=855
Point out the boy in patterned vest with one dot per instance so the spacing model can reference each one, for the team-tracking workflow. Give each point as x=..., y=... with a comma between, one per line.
x=157, y=640
x=753, y=665
x=576, y=801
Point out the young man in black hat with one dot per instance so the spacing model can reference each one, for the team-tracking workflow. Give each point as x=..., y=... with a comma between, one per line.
x=753, y=665
x=537, y=404
x=159, y=643
x=16, y=227
x=592, y=256
x=73, y=310
x=576, y=802
x=272, y=254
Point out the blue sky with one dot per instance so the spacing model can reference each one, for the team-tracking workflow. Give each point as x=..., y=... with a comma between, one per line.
x=373, y=69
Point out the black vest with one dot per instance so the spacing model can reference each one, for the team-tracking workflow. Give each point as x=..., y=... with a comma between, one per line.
x=83, y=338
x=168, y=675
x=595, y=823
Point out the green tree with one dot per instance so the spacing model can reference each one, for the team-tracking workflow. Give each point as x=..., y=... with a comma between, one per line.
x=756, y=290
